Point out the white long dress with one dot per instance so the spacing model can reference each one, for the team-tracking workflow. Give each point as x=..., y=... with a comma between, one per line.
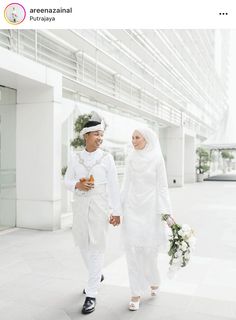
x=144, y=197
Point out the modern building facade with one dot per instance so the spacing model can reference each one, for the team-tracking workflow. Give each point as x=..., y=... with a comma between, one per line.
x=172, y=80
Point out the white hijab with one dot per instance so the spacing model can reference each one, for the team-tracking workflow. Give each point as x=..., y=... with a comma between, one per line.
x=141, y=159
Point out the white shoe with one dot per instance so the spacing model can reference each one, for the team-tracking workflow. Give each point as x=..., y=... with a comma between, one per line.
x=134, y=305
x=154, y=292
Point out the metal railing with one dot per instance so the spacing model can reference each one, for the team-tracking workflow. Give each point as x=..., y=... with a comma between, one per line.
x=78, y=66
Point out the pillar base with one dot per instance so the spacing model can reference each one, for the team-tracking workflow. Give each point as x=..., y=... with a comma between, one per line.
x=42, y=215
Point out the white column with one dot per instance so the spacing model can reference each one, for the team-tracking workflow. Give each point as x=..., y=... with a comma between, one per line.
x=38, y=157
x=174, y=156
x=190, y=159
x=7, y=157
x=38, y=140
x=67, y=135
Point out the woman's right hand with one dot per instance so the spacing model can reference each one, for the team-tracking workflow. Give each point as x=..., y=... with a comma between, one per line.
x=84, y=185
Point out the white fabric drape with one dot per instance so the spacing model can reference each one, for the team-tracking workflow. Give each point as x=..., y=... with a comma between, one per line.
x=142, y=269
x=91, y=219
x=144, y=198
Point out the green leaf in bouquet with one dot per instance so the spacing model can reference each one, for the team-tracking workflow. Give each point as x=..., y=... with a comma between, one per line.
x=165, y=217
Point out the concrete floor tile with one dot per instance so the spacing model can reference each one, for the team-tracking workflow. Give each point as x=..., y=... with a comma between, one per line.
x=213, y=307
x=19, y=311
x=42, y=273
x=166, y=299
x=52, y=314
x=13, y=271
x=193, y=316
x=217, y=292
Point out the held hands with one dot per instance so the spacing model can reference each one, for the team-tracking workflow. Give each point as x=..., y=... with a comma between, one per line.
x=114, y=220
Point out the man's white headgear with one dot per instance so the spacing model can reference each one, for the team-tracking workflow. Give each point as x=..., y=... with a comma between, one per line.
x=96, y=123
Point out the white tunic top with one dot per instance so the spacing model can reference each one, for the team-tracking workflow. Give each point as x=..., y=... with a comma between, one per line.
x=102, y=166
x=145, y=197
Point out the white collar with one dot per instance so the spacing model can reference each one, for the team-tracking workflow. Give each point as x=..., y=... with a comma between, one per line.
x=91, y=154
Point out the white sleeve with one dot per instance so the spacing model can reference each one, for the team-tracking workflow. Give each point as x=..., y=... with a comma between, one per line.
x=163, y=197
x=113, y=187
x=69, y=178
x=125, y=186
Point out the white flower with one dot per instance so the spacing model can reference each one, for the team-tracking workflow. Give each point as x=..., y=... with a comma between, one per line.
x=186, y=228
x=177, y=261
x=178, y=254
x=184, y=246
x=181, y=246
x=185, y=231
x=180, y=232
x=192, y=241
x=186, y=255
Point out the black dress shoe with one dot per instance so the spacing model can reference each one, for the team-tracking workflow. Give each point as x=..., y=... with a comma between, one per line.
x=89, y=305
x=102, y=278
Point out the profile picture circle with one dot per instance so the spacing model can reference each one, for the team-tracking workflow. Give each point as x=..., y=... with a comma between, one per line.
x=14, y=13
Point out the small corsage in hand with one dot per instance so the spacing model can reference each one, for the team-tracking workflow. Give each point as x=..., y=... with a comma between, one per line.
x=182, y=242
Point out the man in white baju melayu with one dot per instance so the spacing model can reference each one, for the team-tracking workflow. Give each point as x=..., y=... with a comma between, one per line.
x=144, y=198
x=95, y=205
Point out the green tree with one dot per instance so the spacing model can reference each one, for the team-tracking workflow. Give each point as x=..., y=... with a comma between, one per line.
x=78, y=126
x=227, y=155
x=203, y=159
x=77, y=141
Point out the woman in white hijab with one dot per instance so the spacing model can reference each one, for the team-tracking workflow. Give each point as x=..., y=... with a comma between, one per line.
x=144, y=197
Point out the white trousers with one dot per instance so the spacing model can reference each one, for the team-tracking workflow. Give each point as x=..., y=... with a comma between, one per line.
x=142, y=269
x=90, y=225
x=93, y=260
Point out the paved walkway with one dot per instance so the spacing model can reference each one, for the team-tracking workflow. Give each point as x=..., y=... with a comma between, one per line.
x=42, y=275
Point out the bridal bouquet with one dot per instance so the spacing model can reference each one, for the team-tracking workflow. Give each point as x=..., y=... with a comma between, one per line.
x=182, y=242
